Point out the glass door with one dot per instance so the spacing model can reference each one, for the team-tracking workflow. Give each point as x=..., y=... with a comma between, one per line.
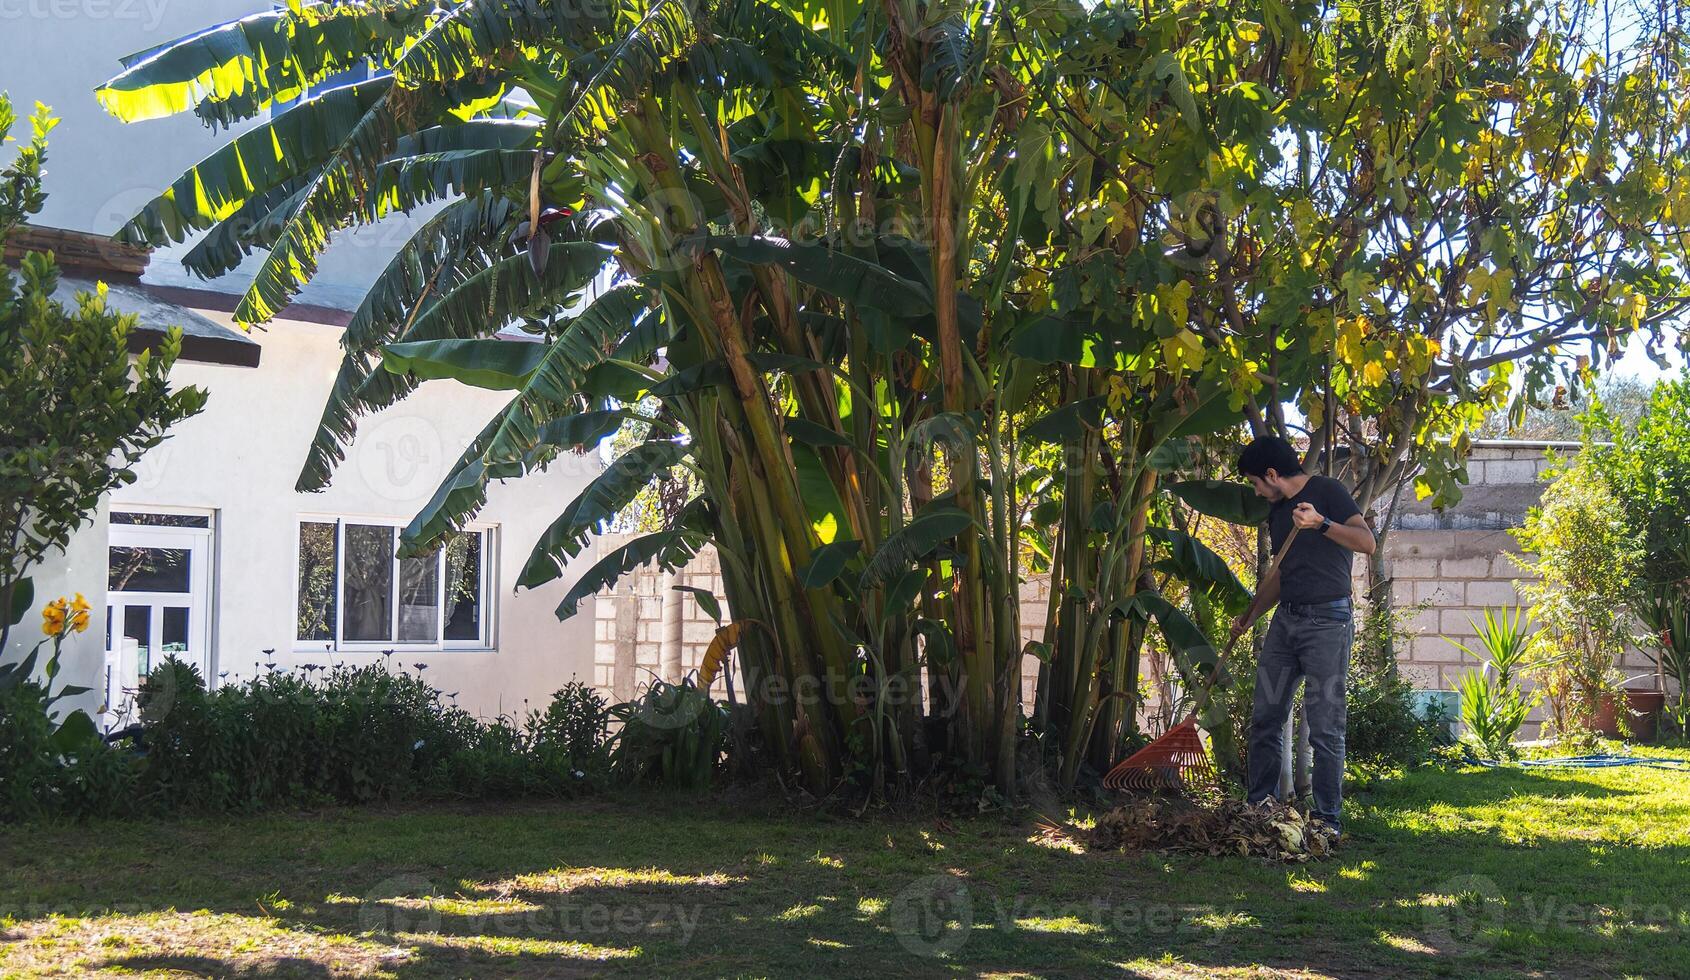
x=158, y=590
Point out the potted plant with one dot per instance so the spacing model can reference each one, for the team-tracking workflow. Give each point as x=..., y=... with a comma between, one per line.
x=1664, y=608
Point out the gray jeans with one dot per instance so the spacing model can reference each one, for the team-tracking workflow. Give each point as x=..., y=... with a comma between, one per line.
x=1310, y=643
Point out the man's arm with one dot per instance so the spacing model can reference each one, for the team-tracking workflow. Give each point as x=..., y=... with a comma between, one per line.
x=1266, y=596
x=1353, y=534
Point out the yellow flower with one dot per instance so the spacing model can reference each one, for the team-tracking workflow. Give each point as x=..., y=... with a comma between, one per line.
x=79, y=614
x=53, y=618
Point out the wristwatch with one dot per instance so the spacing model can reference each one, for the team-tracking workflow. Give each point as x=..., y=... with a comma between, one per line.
x=1325, y=524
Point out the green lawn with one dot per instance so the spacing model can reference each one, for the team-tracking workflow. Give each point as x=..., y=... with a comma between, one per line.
x=1473, y=873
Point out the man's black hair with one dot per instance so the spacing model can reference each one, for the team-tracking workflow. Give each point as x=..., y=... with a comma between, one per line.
x=1269, y=453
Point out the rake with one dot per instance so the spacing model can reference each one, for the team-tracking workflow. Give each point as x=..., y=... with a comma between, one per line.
x=1178, y=757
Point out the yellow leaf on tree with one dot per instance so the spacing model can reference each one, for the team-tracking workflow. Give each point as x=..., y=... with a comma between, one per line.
x=1373, y=373
x=1183, y=350
x=1351, y=332
x=1176, y=300
x=1633, y=309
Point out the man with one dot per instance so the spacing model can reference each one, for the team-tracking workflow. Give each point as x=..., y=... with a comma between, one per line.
x=1312, y=631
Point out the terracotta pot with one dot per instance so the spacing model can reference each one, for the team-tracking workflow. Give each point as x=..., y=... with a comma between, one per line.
x=1644, y=708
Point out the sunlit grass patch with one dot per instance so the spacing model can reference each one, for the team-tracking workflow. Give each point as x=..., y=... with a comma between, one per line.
x=527, y=946
x=564, y=880
x=1072, y=925
x=232, y=944
x=797, y=912
x=1407, y=944
x=1222, y=921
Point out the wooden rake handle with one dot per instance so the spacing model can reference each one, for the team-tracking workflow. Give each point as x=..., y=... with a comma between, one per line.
x=1202, y=700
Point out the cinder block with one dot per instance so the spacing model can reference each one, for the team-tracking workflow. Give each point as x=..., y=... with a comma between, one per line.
x=1406, y=568
x=1423, y=676
x=1459, y=622
x=1419, y=544
x=1424, y=622
x=1511, y=564
x=1505, y=471
x=1465, y=567
x=698, y=632
x=1450, y=674
x=1440, y=593
x=1492, y=593
x=1636, y=660
x=1436, y=650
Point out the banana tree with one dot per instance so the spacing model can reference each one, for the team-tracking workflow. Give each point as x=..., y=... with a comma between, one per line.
x=843, y=392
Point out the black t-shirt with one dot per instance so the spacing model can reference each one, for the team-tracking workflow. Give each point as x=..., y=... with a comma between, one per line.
x=1316, y=569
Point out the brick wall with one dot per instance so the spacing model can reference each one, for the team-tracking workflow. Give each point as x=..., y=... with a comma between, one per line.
x=1448, y=568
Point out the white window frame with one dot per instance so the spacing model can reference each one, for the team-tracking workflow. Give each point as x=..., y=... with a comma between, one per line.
x=489, y=640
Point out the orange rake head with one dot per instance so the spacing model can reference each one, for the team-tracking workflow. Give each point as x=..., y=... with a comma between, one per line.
x=1175, y=760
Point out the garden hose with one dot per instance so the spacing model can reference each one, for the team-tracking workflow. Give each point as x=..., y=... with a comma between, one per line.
x=1602, y=760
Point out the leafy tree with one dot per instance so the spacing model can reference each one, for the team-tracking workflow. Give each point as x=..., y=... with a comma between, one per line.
x=79, y=410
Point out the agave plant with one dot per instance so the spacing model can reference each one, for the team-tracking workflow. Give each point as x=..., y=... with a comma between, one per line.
x=1492, y=705
x=922, y=296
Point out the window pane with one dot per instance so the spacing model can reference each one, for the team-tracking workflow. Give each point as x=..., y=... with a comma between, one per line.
x=175, y=627
x=463, y=588
x=147, y=569
x=159, y=520
x=368, y=568
x=138, y=626
x=316, y=581
x=419, y=599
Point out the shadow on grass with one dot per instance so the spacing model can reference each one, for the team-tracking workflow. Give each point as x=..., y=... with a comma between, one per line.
x=683, y=888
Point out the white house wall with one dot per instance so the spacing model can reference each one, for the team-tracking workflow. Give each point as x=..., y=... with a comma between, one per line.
x=240, y=458
x=80, y=568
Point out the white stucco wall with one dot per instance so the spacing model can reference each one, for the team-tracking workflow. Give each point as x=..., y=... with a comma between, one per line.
x=241, y=457
x=80, y=568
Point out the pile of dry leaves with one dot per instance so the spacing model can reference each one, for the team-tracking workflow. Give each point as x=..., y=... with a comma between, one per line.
x=1277, y=831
